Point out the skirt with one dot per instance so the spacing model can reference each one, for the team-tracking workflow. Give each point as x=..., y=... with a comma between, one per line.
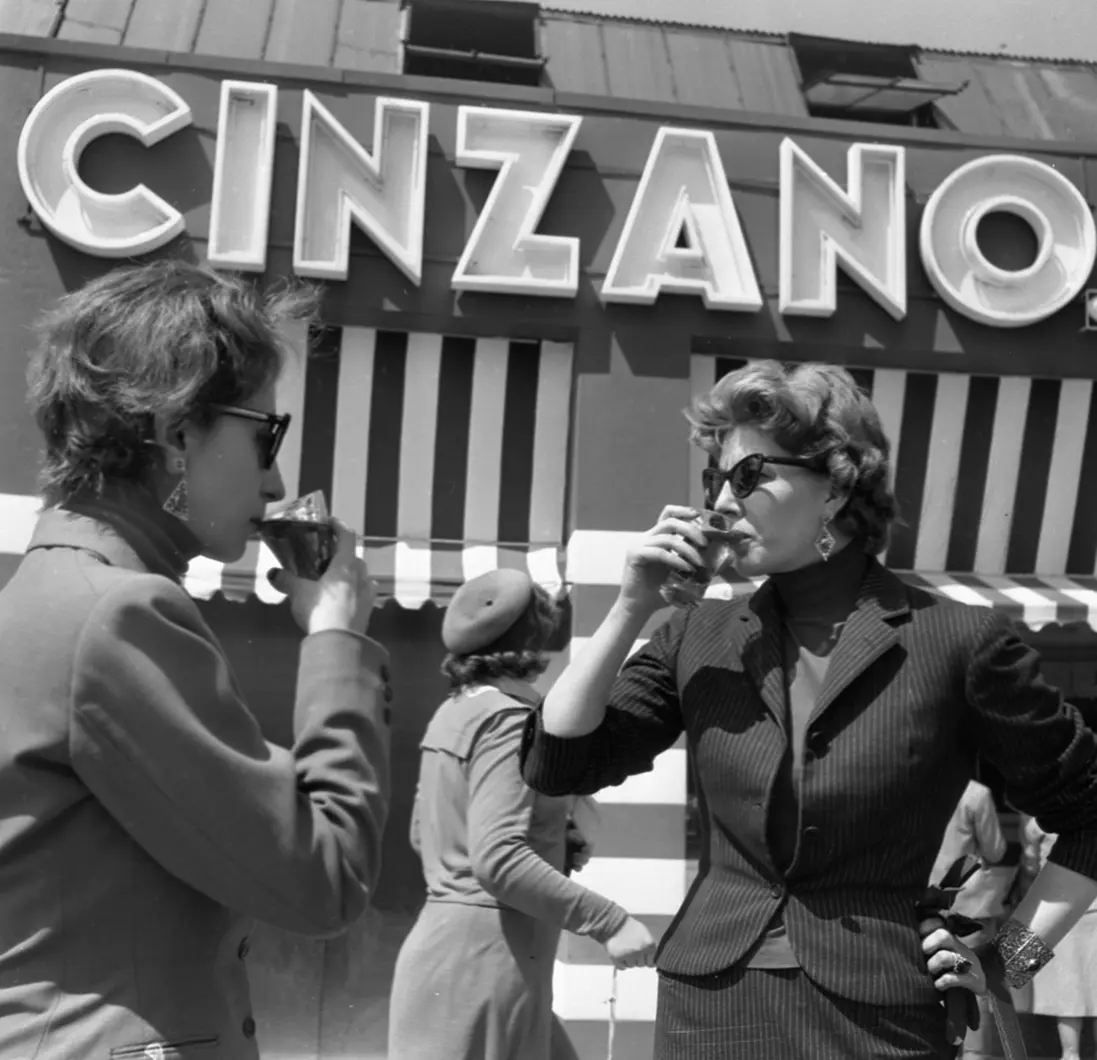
x=475, y=983
x=780, y=1014
x=1067, y=987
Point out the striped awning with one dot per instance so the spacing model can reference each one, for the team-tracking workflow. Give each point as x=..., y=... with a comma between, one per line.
x=448, y=453
x=989, y=470
x=1034, y=601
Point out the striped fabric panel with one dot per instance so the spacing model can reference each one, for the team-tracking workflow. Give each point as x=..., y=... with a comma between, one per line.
x=448, y=453
x=987, y=468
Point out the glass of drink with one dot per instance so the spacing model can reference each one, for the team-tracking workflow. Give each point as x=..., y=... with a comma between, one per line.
x=302, y=536
x=687, y=590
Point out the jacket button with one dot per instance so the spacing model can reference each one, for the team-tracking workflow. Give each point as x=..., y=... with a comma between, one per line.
x=249, y=1027
x=811, y=831
x=244, y=948
x=385, y=673
x=777, y=890
x=817, y=745
x=388, y=693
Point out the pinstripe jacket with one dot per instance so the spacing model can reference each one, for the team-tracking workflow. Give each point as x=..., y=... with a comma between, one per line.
x=917, y=687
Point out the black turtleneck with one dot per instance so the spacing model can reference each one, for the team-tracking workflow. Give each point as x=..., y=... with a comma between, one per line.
x=163, y=543
x=814, y=603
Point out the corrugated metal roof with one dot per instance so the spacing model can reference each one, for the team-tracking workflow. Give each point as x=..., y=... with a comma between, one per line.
x=645, y=61
x=351, y=34
x=1032, y=101
x=627, y=59
x=767, y=20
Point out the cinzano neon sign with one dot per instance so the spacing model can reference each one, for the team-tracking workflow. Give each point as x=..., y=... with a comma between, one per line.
x=682, y=233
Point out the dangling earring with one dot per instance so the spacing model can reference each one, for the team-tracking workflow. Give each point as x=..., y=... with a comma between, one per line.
x=824, y=543
x=176, y=504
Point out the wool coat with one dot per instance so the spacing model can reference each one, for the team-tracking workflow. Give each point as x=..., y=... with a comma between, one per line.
x=144, y=820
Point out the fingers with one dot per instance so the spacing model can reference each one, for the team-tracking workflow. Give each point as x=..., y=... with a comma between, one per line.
x=678, y=511
x=951, y=963
x=344, y=542
x=646, y=959
x=935, y=936
x=689, y=529
x=669, y=548
x=279, y=577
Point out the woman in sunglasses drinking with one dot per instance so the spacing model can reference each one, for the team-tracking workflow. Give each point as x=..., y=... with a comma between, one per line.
x=145, y=820
x=832, y=720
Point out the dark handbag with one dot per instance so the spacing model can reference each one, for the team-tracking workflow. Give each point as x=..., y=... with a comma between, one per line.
x=960, y=1003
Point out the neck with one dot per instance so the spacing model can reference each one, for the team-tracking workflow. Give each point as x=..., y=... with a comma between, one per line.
x=824, y=592
x=165, y=544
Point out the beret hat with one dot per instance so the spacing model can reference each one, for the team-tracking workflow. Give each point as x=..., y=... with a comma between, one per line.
x=484, y=609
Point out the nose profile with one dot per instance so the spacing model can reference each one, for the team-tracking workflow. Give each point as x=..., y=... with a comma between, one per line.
x=726, y=502
x=274, y=489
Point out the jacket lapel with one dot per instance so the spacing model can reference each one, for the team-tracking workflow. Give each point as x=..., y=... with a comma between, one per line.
x=869, y=633
x=758, y=639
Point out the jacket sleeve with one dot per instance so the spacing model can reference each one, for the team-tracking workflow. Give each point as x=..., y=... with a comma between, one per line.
x=162, y=739
x=1037, y=742
x=505, y=865
x=643, y=719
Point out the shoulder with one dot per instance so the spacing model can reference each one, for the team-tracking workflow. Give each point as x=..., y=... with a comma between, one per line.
x=950, y=622
x=128, y=608
x=461, y=720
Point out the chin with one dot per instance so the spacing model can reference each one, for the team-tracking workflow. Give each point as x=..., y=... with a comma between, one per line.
x=225, y=551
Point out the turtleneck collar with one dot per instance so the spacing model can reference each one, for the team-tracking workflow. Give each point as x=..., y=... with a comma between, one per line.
x=164, y=544
x=824, y=592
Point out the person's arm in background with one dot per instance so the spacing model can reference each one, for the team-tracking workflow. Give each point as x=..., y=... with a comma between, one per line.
x=413, y=834
x=1048, y=759
x=504, y=863
x=986, y=829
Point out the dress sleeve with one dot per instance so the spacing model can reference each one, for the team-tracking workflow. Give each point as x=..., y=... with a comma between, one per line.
x=1037, y=742
x=505, y=865
x=160, y=736
x=643, y=719
x=413, y=832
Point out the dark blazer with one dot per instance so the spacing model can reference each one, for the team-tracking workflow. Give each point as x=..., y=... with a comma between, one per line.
x=145, y=820
x=917, y=687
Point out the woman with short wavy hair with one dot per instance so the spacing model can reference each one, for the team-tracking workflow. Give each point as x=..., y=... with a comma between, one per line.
x=146, y=821
x=833, y=719
x=474, y=977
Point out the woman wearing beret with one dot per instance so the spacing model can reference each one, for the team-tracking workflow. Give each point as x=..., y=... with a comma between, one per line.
x=474, y=977
x=146, y=821
x=832, y=720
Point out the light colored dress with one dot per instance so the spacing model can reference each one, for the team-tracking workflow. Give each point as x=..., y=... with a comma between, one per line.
x=1066, y=987
x=473, y=980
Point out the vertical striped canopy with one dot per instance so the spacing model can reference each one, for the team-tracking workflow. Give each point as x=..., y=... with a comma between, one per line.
x=447, y=453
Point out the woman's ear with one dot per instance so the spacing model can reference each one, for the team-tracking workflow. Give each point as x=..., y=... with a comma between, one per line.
x=170, y=436
x=835, y=503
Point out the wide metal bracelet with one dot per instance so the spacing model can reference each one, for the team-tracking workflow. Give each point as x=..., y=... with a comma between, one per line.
x=1022, y=951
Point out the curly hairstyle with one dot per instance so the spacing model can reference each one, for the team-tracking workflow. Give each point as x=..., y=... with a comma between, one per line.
x=518, y=653
x=165, y=338
x=810, y=410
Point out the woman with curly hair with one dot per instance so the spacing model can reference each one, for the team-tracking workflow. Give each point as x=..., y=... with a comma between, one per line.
x=146, y=822
x=832, y=719
x=474, y=977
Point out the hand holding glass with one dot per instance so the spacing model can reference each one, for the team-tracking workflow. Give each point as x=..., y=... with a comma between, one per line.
x=686, y=590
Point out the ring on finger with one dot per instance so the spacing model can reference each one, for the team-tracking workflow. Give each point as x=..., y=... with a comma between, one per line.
x=962, y=965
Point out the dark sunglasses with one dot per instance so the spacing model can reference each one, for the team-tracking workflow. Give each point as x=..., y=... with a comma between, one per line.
x=269, y=440
x=745, y=475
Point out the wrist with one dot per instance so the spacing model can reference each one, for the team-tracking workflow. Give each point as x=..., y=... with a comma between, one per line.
x=632, y=615
x=324, y=622
x=1020, y=953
